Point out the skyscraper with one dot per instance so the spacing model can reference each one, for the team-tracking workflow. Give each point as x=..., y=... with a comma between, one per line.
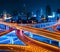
x=38, y=16
x=48, y=11
x=58, y=11
x=29, y=15
x=41, y=12
x=58, y=14
x=24, y=10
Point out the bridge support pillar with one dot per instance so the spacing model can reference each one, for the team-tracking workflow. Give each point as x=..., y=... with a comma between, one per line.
x=59, y=44
x=30, y=35
x=5, y=27
x=11, y=40
x=50, y=41
x=20, y=31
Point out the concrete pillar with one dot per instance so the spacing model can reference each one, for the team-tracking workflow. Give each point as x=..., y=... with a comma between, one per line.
x=5, y=27
x=11, y=40
x=19, y=31
x=59, y=44
x=50, y=41
x=30, y=35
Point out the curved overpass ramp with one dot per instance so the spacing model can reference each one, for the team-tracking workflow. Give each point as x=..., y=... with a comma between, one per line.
x=32, y=45
x=5, y=32
x=35, y=46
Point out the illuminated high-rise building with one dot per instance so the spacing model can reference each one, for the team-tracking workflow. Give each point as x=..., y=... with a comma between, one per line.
x=24, y=11
x=58, y=13
x=48, y=11
x=52, y=17
x=38, y=16
x=41, y=12
x=4, y=15
x=29, y=15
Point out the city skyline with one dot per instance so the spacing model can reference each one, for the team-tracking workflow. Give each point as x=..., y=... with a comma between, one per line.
x=31, y=5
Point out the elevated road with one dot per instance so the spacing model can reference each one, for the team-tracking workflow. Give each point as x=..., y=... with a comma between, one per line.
x=36, y=45
x=18, y=48
x=41, y=32
x=32, y=45
x=15, y=48
x=5, y=32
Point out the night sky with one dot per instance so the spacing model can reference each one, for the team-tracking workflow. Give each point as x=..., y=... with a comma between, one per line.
x=32, y=5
